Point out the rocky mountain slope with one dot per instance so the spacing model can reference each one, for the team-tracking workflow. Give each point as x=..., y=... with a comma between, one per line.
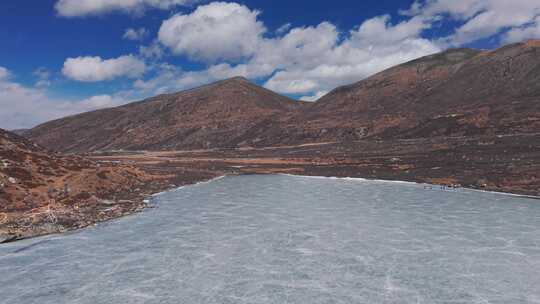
x=222, y=114
x=460, y=92
x=43, y=192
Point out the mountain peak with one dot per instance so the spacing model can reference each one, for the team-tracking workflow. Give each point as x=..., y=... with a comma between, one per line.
x=448, y=57
x=232, y=80
x=236, y=79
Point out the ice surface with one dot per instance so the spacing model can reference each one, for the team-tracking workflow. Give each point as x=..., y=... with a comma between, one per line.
x=284, y=239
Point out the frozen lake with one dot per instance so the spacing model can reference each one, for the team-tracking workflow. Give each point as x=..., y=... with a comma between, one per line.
x=283, y=239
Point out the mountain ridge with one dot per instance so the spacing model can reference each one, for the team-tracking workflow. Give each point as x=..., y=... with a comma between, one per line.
x=404, y=97
x=458, y=92
x=195, y=117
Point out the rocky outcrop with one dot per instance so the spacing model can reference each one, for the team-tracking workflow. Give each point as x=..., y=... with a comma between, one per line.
x=42, y=192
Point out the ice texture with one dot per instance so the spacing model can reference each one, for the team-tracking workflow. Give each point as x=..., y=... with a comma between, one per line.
x=284, y=239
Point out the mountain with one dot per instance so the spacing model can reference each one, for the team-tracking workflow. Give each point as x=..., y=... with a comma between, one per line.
x=43, y=192
x=459, y=92
x=228, y=113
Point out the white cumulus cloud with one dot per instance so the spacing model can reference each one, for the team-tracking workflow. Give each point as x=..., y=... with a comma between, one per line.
x=301, y=60
x=480, y=18
x=315, y=59
x=79, y=8
x=152, y=51
x=284, y=28
x=25, y=107
x=4, y=73
x=530, y=31
x=136, y=34
x=43, y=77
x=93, y=69
x=215, y=31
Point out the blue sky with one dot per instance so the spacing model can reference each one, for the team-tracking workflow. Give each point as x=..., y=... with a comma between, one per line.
x=60, y=57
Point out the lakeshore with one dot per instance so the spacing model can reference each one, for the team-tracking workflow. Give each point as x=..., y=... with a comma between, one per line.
x=476, y=163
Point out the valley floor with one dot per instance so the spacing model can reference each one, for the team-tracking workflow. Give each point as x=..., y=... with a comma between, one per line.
x=495, y=163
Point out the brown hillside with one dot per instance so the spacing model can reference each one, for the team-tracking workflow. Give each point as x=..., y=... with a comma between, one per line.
x=42, y=192
x=222, y=114
x=460, y=92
